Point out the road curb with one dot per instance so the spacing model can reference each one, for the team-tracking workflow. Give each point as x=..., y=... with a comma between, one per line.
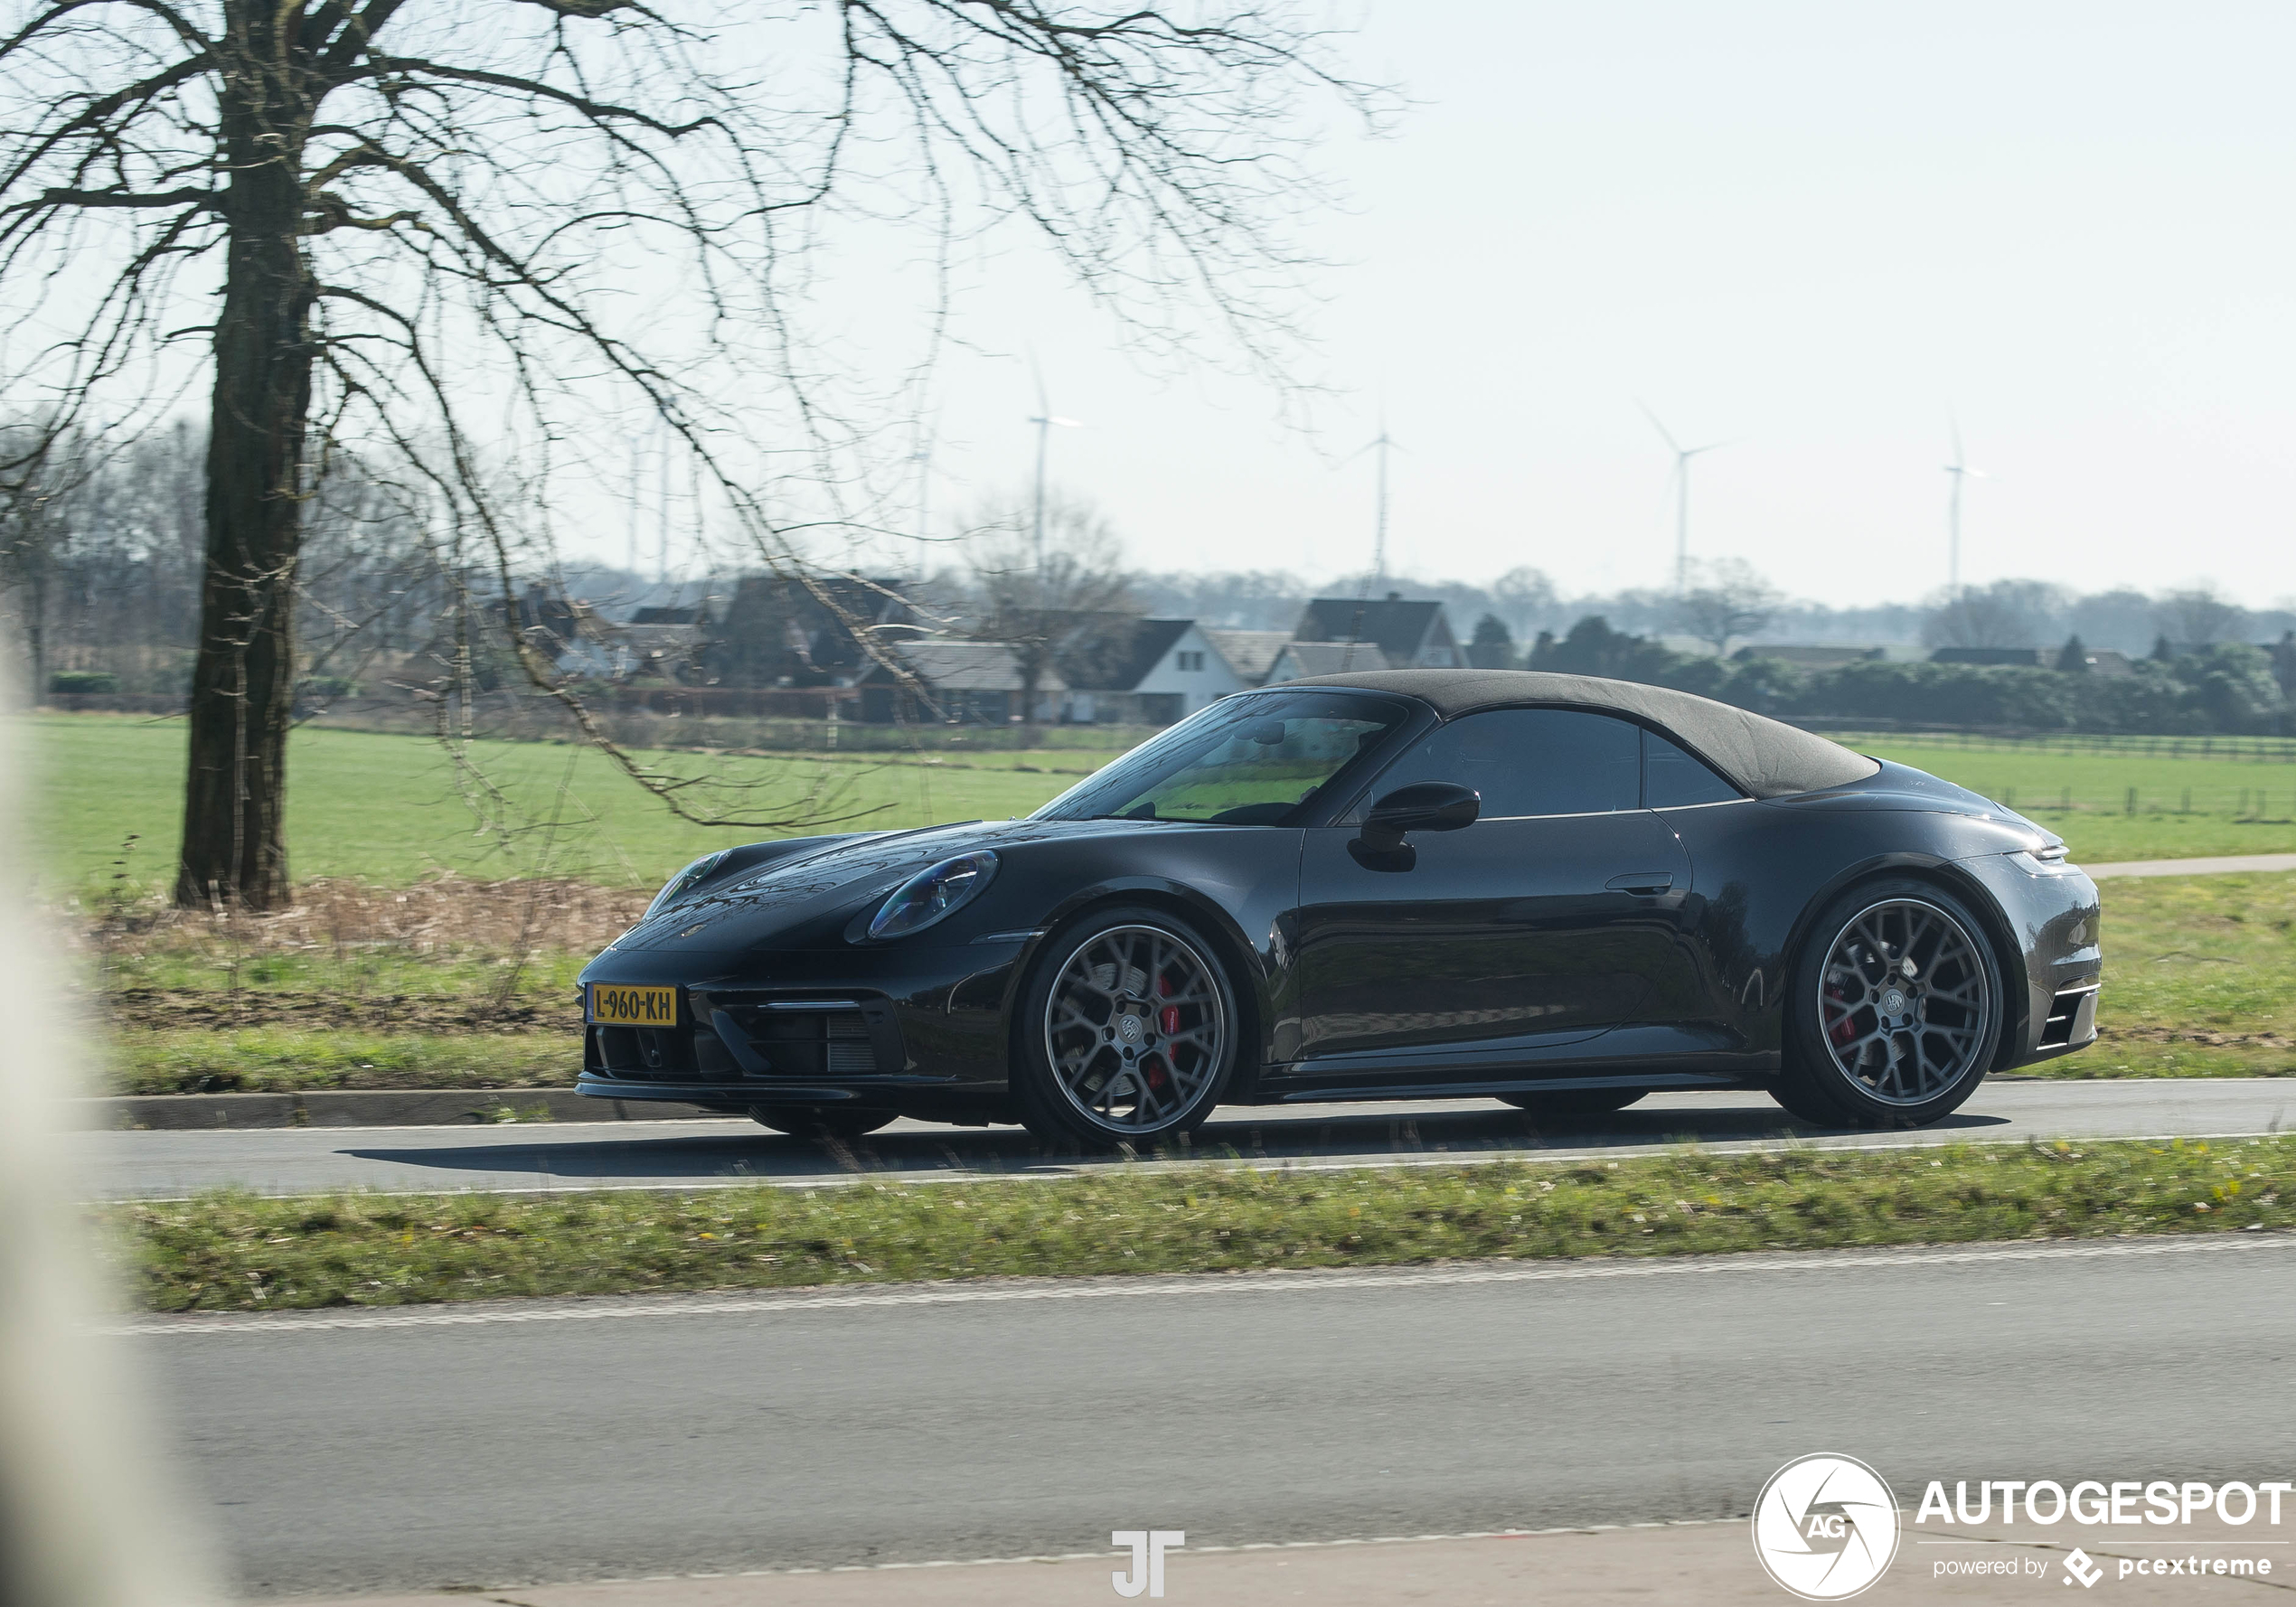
x=350, y=1107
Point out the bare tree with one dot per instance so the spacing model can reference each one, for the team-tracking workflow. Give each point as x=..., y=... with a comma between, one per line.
x=2006, y=613
x=1081, y=590
x=1525, y=598
x=2197, y=617
x=462, y=241
x=34, y=525
x=1729, y=601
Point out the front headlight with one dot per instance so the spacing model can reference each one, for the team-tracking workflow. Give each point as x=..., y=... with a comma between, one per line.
x=934, y=895
x=692, y=875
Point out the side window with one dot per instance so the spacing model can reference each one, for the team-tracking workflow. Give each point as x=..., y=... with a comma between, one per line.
x=1531, y=761
x=1672, y=778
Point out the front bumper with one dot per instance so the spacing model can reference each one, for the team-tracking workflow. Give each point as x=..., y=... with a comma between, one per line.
x=911, y=1029
x=2054, y=919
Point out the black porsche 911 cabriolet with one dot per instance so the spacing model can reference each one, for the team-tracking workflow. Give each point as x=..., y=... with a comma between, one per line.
x=1560, y=891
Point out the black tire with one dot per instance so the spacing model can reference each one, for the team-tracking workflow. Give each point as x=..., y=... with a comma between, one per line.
x=1569, y=1105
x=1895, y=1008
x=1083, y=1079
x=812, y=1122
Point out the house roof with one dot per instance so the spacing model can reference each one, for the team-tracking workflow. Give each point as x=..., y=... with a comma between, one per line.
x=1400, y=628
x=1150, y=639
x=1987, y=655
x=966, y=667
x=665, y=617
x=1250, y=653
x=1810, y=655
x=1765, y=758
x=1329, y=658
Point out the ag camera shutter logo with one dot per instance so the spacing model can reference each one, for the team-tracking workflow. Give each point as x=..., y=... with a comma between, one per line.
x=1825, y=1527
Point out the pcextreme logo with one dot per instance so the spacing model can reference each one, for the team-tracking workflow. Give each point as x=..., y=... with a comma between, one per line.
x=1825, y=1527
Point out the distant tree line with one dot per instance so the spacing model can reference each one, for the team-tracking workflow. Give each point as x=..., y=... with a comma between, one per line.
x=100, y=565
x=1524, y=602
x=2228, y=687
x=99, y=576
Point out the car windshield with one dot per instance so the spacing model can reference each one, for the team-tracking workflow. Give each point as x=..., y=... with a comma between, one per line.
x=1247, y=761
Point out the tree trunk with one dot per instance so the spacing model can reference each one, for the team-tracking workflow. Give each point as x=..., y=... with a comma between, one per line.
x=243, y=683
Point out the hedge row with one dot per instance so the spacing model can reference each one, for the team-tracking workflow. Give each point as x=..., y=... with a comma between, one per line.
x=2228, y=688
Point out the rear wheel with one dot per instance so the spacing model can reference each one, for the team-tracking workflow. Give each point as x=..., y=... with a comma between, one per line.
x=1894, y=1011
x=1571, y=1104
x=1128, y=1033
x=807, y=1121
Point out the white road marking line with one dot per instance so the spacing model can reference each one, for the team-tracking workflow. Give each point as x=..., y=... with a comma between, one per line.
x=258, y=1324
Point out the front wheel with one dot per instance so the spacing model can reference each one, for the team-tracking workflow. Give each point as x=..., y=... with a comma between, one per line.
x=1894, y=1010
x=1128, y=1033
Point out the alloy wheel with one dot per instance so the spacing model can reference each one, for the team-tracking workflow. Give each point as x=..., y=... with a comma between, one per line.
x=1136, y=1028
x=1906, y=1002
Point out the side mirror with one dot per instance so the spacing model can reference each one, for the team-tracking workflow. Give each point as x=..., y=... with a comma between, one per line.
x=1423, y=806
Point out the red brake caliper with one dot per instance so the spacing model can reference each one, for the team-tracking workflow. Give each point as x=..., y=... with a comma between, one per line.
x=1842, y=1031
x=1169, y=1019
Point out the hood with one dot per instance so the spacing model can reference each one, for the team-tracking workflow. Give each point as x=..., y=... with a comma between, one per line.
x=1903, y=787
x=803, y=892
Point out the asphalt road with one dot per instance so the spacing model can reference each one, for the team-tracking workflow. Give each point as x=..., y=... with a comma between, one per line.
x=489, y=1445
x=720, y=1152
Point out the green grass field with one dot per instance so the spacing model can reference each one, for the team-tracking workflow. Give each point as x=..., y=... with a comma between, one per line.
x=2187, y=800
x=2200, y=980
x=390, y=809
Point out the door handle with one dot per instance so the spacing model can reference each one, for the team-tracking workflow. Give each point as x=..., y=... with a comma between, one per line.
x=1648, y=883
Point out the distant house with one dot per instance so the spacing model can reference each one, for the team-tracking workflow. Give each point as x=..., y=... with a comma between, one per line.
x=1250, y=653
x=2015, y=657
x=549, y=622
x=960, y=684
x=778, y=632
x=660, y=644
x=1156, y=672
x=1810, y=656
x=1413, y=636
x=1299, y=660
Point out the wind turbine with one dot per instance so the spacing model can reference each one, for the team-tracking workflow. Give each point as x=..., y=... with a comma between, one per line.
x=1382, y=444
x=1044, y=419
x=1682, y=455
x=1959, y=470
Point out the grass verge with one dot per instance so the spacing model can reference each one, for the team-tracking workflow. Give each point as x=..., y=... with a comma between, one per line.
x=237, y=1252
x=284, y=1060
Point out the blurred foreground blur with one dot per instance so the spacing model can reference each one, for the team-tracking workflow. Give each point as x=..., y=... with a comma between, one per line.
x=85, y=1518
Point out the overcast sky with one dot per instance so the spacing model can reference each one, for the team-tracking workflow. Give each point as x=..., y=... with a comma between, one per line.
x=1812, y=231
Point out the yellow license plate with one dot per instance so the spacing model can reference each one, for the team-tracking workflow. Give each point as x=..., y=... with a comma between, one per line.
x=632, y=1006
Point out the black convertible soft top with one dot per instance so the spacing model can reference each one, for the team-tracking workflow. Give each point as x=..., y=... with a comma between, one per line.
x=1760, y=756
